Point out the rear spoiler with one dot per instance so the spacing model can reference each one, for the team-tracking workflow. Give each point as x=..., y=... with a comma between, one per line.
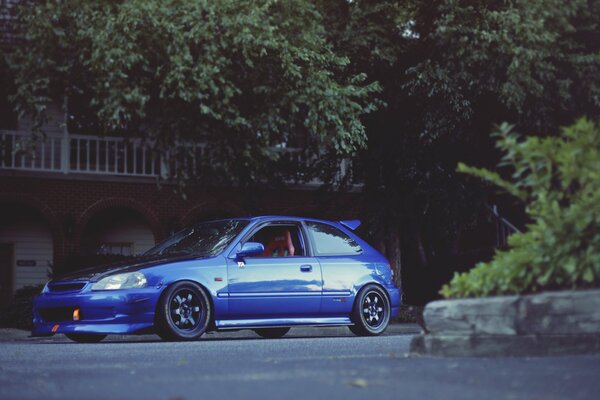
x=351, y=224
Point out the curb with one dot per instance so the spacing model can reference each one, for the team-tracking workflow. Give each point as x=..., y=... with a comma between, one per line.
x=551, y=323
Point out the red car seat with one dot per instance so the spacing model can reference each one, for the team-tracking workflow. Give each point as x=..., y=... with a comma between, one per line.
x=280, y=245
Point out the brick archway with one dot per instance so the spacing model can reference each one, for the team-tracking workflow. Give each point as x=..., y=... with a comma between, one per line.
x=116, y=202
x=49, y=217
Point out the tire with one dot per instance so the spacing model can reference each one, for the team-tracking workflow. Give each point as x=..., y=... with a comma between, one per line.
x=272, y=333
x=371, y=313
x=183, y=312
x=85, y=337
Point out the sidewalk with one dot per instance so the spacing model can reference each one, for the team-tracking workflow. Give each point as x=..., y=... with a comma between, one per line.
x=17, y=335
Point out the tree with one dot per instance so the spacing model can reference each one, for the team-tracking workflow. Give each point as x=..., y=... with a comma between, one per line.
x=239, y=76
x=449, y=71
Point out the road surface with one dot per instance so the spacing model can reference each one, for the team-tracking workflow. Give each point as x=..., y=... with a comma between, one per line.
x=302, y=365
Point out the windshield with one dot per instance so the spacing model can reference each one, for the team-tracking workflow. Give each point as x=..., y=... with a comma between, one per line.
x=205, y=239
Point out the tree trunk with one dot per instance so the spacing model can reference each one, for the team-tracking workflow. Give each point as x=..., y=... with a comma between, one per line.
x=421, y=248
x=393, y=251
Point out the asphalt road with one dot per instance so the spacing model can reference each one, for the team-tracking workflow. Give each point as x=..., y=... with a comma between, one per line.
x=301, y=366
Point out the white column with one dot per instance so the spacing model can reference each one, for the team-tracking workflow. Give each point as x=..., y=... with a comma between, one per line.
x=65, y=144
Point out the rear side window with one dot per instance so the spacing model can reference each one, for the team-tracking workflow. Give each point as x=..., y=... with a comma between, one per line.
x=331, y=241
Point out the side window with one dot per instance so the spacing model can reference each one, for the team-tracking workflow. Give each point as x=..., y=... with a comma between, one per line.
x=331, y=241
x=280, y=241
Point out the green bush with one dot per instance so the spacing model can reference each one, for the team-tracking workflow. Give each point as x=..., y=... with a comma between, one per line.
x=18, y=314
x=558, y=178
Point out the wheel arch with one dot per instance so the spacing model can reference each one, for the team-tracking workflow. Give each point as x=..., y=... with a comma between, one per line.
x=371, y=283
x=211, y=321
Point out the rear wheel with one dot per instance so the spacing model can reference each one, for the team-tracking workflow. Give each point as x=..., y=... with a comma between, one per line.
x=371, y=314
x=272, y=333
x=183, y=312
x=85, y=337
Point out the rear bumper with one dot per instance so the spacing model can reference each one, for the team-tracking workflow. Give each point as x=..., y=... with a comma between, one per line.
x=106, y=312
x=395, y=300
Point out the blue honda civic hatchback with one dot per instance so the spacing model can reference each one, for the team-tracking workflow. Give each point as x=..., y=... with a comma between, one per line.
x=265, y=273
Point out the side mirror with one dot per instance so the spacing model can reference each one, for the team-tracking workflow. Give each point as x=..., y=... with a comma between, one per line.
x=250, y=249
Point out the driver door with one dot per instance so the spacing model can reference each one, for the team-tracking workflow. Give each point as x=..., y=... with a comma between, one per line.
x=282, y=282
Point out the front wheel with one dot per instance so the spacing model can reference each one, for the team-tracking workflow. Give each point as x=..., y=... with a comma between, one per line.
x=85, y=337
x=371, y=314
x=272, y=333
x=183, y=312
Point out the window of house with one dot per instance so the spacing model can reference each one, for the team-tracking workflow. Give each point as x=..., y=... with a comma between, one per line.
x=329, y=240
x=122, y=249
x=280, y=241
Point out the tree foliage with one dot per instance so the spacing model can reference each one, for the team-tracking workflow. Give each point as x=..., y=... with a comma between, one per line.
x=449, y=71
x=559, y=180
x=239, y=76
x=533, y=62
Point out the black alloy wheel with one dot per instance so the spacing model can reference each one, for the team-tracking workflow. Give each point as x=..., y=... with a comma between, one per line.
x=371, y=314
x=272, y=333
x=373, y=309
x=85, y=337
x=183, y=312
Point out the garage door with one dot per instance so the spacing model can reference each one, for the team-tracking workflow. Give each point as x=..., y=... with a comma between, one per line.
x=32, y=251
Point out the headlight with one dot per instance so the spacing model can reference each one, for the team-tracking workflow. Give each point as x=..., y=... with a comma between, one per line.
x=132, y=280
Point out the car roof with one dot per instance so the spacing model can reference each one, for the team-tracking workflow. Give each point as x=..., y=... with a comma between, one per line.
x=267, y=218
x=288, y=218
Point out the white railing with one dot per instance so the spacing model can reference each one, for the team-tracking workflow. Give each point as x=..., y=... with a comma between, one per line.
x=345, y=168
x=111, y=156
x=103, y=155
x=13, y=155
x=79, y=154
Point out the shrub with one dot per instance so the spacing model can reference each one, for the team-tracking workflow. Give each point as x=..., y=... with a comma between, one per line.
x=18, y=314
x=558, y=178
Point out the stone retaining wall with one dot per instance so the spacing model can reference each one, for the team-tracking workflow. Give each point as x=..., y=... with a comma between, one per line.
x=565, y=322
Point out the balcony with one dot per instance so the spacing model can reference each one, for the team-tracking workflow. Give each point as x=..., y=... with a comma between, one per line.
x=81, y=154
x=69, y=154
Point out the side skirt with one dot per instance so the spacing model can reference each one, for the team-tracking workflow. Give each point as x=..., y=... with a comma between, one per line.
x=280, y=322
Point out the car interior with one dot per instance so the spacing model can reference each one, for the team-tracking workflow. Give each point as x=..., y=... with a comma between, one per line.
x=279, y=241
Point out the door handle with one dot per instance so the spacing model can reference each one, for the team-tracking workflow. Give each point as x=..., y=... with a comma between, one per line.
x=306, y=268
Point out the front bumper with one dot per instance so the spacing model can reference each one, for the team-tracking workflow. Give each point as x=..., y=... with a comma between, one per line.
x=103, y=312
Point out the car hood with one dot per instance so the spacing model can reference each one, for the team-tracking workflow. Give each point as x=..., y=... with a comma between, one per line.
x=123, y=266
